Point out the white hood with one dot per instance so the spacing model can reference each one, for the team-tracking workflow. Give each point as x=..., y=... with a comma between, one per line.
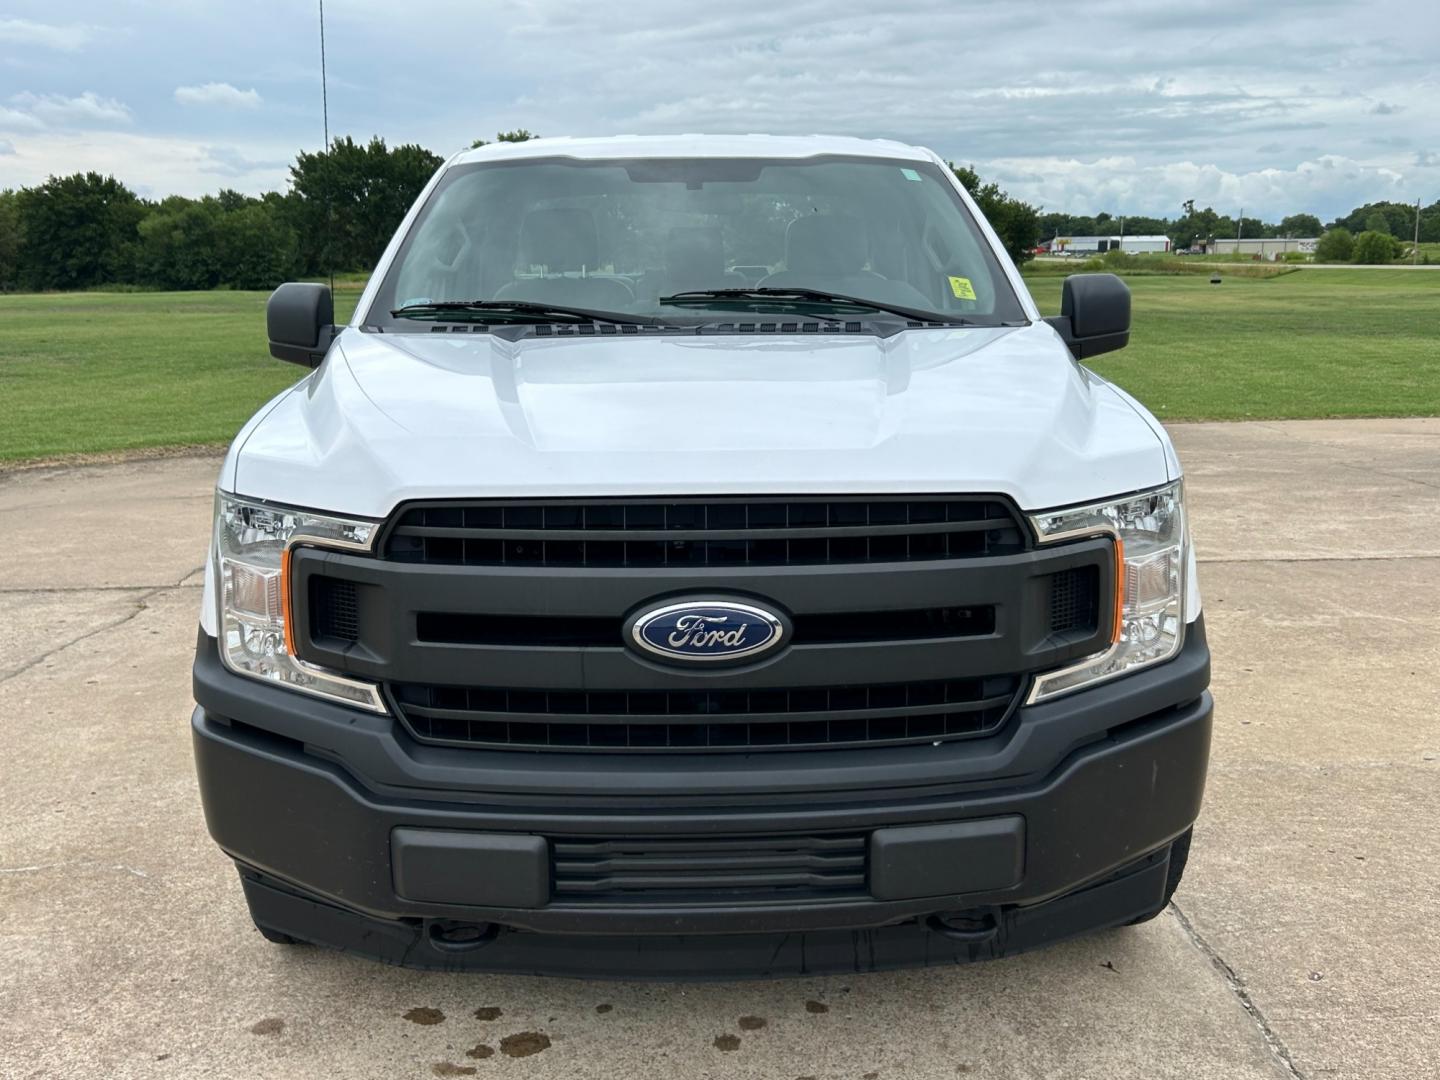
x=391, y=417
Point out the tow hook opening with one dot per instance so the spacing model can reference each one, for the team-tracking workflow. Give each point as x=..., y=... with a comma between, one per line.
x=967, y=926
x=452, y=936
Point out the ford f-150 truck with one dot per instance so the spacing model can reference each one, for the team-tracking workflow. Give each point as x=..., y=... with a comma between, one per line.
x=697, y=556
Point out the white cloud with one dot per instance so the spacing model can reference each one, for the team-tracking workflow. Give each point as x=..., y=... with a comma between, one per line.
x=152, y=165
x=217, y=93
x=17, y=120
x=1064, y=111
x=1135, y=107
x=231, y=162
x=1126, y=185
x=7, y=148
x=69, y=38
x=61, y=111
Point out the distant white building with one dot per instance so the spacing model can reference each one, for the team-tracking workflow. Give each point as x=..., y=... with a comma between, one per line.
x=1259, y=248
x=1093, y=245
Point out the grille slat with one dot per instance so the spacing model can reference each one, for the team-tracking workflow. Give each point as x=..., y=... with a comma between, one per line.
x=633, y=882
x=982, y=705
x=887, y=714
x=692, y=533
x=701, y=863
x=751, y=869
x=665, y=846
x=630, y=717
x=563, y=631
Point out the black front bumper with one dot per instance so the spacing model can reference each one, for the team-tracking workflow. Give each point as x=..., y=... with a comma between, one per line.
x=1059, y=824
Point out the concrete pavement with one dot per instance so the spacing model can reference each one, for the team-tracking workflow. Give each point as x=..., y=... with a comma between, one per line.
x=1302, y=942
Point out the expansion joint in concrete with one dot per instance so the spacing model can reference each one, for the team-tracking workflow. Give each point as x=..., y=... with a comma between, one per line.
x=1273, y=1042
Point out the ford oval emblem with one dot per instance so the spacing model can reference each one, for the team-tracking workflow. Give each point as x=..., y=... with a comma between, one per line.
x=701, y=631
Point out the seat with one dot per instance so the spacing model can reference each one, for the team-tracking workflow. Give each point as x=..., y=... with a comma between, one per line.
x=828, y=252
x=694, y=259
x=563, y=240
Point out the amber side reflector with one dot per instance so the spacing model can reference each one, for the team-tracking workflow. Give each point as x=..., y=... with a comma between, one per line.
x=1119, y=594
x=285, y=604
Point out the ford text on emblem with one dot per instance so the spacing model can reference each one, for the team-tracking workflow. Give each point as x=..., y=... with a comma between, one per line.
x=707, y=630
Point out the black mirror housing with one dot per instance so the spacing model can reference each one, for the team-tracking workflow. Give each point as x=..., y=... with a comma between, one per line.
x=300, y=322
x=1094, y=314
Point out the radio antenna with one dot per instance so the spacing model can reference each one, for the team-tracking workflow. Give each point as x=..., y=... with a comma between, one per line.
x=325, y=118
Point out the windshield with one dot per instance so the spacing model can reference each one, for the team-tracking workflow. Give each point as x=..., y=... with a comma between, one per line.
x=626, y=236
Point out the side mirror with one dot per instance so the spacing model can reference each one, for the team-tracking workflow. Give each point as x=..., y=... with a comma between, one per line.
x=300, y=321
x=1094, y=314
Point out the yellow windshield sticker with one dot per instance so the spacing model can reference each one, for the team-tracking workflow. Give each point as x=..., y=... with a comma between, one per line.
x=962, y=288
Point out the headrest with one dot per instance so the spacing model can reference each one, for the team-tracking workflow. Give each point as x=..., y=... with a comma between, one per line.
x=695, y=250
x=559, y=239
x=825, y=243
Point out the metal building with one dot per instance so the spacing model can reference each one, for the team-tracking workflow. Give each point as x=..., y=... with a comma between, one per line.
x=1261, y=247
x=1092, y=245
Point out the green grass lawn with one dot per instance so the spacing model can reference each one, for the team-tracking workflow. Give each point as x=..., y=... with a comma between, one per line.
x=1305, y=344
x=99, y=372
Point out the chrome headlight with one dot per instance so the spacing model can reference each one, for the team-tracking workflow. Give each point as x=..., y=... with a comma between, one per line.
x=253, y=542
x=1150, y=553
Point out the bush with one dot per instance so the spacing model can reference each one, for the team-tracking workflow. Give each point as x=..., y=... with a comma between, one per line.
x=1294, y=257
x=1337, y=245
x=1375, y=247
x=1116, y=260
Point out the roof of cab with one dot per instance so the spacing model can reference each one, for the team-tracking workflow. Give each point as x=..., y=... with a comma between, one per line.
x=685, y=146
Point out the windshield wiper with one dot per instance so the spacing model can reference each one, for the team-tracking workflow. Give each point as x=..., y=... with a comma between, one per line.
x=522, y=310
x=704, y=297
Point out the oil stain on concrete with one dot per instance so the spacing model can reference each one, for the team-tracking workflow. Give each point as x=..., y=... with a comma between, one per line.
x=524, y=1043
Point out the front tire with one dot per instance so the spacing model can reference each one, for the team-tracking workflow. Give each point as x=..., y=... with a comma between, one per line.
x=276, y=937
x=1179, y=856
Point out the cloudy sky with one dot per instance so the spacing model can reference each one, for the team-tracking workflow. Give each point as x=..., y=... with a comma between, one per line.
x=1273, y=105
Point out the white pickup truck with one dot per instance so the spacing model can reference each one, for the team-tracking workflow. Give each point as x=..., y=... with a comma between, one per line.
x=698, y=557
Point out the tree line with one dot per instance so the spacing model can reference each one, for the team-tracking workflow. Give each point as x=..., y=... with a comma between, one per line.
x=86, y=230
x=340, y=210
x=344, y=202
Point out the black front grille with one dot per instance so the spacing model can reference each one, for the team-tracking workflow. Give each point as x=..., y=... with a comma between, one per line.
x=705, y=532
x=707, y=720
x=709, y=869
x=500, y=624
